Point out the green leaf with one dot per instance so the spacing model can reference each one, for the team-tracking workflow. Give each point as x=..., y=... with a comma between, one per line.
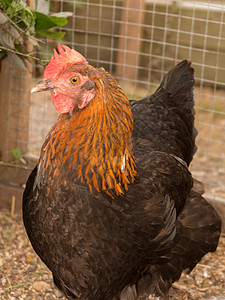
x=5, y=4
x=29, y=11
x=6, y=40
x=3, y=18
x=59, y=21
x=17, y=60
x=30, y=23
x=15, y=7
x=28, y=17
x=54, y=35
x=14, y=32
x=43, y=22
x=17, y=153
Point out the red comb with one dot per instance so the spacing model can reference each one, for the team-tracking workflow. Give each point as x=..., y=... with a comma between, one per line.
x=61, y=60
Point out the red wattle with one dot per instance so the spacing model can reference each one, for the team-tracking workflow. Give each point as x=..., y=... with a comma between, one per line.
x=62, y=103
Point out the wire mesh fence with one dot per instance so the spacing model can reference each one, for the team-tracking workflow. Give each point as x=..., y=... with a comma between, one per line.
x=138, y=42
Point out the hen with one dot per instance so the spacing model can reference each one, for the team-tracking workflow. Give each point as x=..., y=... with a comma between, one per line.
x=110, y=207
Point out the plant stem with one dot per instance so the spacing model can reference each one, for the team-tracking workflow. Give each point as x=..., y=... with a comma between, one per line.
x=4, y=164
x=22, y=54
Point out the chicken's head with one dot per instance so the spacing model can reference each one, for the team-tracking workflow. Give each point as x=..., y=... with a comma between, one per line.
x=65, y=77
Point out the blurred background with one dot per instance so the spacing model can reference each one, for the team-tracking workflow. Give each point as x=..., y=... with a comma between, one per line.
x=137, y=42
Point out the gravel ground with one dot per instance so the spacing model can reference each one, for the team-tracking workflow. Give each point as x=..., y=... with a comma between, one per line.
x=24, y=276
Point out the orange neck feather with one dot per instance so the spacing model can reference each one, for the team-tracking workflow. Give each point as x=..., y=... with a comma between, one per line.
x=98, y=138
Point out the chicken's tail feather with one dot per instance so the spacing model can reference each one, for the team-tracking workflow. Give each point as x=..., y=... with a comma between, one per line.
x=178, y=85
x=180, y=77
x=166, y=118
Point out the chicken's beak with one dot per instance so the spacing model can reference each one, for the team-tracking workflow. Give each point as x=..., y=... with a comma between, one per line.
x=42, y=85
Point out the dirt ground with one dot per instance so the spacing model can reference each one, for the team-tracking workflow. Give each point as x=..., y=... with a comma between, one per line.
x=24, y=276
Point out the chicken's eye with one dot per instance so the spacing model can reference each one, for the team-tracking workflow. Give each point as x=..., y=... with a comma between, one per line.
x=74, y=79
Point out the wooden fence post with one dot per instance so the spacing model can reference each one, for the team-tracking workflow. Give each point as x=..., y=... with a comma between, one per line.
x=15, y=86
x=14, y=109
x=129, y=42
